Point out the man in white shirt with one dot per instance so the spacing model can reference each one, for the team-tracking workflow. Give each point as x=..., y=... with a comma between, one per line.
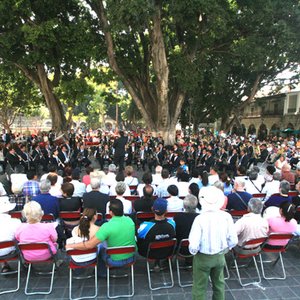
x=272, y=187
x=162, y=189
x=175, y=204
x=157, y=178
x=53, y=171
x=252, y=225
x=127, y=205
x=213, y=176
x=79, y=187
x=8, y=227
x=110, y=178
x=211, y=236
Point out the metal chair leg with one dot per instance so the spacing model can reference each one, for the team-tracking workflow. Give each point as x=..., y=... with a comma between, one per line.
x=18, y=280
x=227, y=272
x=84, y=297
x=239, y=276
x=179, y=277
x=39, y=293
x=282, y=267
x=132, y=285
x=164, y=286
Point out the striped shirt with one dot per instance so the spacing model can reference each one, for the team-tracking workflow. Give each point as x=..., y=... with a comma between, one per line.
x=212, y=232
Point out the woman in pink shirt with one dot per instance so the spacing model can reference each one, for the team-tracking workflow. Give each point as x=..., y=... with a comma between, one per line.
x=36, y=232
x=285, y=223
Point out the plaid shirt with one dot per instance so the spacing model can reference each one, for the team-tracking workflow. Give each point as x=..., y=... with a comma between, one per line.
x=19, y=199
x=31, y=188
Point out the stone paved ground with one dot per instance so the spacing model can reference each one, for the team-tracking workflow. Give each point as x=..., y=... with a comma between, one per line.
x=272, y=289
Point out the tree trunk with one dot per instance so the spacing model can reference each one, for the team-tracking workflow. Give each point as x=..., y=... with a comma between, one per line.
x=59, y=122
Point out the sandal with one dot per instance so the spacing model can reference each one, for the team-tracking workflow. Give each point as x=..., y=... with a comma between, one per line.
x=6, y=269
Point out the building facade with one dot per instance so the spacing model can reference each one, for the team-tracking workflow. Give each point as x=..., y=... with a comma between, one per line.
x=271, y=115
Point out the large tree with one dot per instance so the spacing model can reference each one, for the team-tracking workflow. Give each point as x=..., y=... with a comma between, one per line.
x=17, y=95
x=49, y=41
x=212, y=51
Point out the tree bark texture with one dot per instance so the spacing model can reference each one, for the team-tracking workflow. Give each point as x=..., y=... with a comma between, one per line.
x=160, y=110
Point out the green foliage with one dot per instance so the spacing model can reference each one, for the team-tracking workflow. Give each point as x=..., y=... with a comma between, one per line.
x=16, y=95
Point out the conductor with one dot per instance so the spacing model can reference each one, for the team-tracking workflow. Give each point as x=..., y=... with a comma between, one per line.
x=119, y=146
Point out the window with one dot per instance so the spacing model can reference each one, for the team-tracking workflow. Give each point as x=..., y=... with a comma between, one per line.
x=292, y=104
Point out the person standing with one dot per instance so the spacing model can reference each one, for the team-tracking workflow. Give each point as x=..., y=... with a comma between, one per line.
x=209, y=242
x=119, y=146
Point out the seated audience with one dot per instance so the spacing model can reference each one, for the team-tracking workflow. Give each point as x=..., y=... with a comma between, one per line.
x=49, y=204
x=184, y=220
x=84, y=232
x=110, y=178
x=253, y=185
x=213, y=175
x=277, y=199
x=110, y=232
x=79, y=187
x=145, y=203
x=158, y=229
x=157, y=178
x=238, y=199
x=147, y=180
x=127, y=205
x=68, y=202
x=175, y=204
x=119, y=178
x=162, y=188
x=283, y=224
x=287, y=174
x=8, y=227
x=252, y=225
x=219, y=184
x=203, y=182
x=272, y=187
x=226, y=183
x=55, y=190
x=31, y=187
x=95, y=199
x=18, y=197
x=86, y=179
x=36, y=232
x=129, y=179
x=103, y=187
x=53, y=171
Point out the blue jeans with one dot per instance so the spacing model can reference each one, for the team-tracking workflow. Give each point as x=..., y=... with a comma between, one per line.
x=105, y=258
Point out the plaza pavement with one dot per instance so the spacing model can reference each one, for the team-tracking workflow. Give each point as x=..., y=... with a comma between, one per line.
x=273, y=289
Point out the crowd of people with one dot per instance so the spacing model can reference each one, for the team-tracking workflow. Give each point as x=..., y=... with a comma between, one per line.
x=200, y=178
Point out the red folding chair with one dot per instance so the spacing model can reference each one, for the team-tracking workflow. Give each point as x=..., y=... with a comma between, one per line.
x=74, y=266
x=48, y=218
x=16, y=215
x=132, y=198
x=69, y=216
x=236, y=214
x=108, y=217
x=249, y=249
x=133, y=189
x=144, y=216
x=171, y=215
x=279, y=249
x=51, y=260
x=13, y=256
x=154, y=252
x=120, y=250
x=259, y=195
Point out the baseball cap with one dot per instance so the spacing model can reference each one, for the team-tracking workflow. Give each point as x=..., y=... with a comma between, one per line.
x=160, y=206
